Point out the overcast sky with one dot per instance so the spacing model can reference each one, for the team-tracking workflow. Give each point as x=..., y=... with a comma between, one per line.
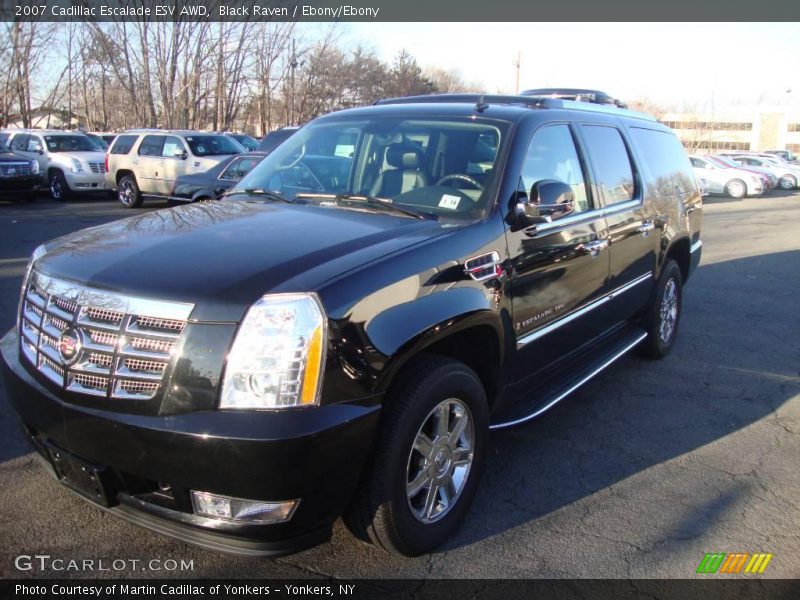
x=675, y=63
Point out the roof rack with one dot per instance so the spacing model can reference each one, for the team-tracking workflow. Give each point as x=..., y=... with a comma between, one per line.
x=579, y=95
x=586, y=100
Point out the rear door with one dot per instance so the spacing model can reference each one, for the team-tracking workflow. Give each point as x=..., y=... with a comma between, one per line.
x=559, y=268
x=632, y=228
x=148, y=163
x=174, y=161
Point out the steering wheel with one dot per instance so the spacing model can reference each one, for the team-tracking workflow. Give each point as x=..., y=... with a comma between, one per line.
x=462, y=177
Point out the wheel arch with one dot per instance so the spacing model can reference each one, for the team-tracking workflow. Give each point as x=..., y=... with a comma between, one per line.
x=477, y=339
x=122, y=172
x=680, y=251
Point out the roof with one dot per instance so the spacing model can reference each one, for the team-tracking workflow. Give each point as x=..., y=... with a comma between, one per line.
x=510, y=107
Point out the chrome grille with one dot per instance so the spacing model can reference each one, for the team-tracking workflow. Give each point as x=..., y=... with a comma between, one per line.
x=15, y=169
x=97, y=167
x=125, y=345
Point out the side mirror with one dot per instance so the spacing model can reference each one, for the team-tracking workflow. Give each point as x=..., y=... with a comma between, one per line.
x=547, y=200
x=180, y=153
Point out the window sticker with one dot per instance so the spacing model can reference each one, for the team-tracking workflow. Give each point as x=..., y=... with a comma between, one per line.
x=450, y=202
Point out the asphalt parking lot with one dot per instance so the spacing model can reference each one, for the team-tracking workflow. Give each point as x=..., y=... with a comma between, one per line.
x=638, y=474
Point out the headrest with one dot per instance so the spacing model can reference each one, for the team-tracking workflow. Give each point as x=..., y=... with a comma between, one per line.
x=401, y=156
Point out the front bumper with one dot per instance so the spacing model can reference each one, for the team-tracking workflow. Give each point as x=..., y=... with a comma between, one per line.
x=86, y=182
x=15, y=185
x=316, y=455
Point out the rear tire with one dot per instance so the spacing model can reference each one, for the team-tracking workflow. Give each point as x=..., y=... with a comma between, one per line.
x=663, y=317
x=128, y=192
x=736, y=188
x=427, y=462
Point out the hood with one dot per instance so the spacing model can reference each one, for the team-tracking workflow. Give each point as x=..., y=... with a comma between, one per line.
x=222, y=256
x=11, y=157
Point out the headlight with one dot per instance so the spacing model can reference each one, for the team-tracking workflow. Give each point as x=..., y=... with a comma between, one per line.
x=34, y=167
x=278, y=354
x=38, y=253
x=77, y=167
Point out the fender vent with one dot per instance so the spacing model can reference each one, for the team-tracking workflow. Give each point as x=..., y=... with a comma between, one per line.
x=485, y=266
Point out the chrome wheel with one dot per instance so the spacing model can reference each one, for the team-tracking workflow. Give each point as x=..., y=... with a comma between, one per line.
x=787, y=183
x=669, y=311
x=56, y=191
x=440, y=461
x=126, y=194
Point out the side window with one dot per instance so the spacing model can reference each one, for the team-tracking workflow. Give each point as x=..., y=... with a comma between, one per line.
x=239, y=168
x=123, y=144
x=696, y=162
x=35, y=144
x=151, y=145
x=612, y=164
x=20, y=142
x=4, y=139
x=172, y=147
x=552, y=155
x=666, y=160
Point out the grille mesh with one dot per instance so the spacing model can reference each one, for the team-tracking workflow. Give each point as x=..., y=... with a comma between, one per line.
x=120, y=354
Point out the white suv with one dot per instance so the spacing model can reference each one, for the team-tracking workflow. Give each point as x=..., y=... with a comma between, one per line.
x=69, y=159
x=145, y=163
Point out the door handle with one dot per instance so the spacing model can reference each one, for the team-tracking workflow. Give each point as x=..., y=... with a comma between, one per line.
x=646, y=227
x=594, y=247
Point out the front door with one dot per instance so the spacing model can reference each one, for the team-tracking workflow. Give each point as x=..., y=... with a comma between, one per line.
x=559, y=268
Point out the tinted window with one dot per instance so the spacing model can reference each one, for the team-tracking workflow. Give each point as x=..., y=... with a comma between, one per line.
x=98, y=142
x=123, y=144
x=666, y=160
x=151, y=145
x=612, y=165
x=4, y=139
x=552, y=155
x=171, y=146
x=213, y=145
x=20, y=142
x=274, y=139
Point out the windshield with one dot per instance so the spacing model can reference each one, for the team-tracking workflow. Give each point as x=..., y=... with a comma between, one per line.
x=246, y=141
x=440, y=166
x=69, y=143
x=98, y=142
x=213, y=145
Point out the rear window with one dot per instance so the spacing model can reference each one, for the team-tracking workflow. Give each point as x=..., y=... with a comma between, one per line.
x=666, y=160
x=123, y=144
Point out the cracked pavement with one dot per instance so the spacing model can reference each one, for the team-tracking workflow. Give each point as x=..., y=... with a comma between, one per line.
x=637, y=474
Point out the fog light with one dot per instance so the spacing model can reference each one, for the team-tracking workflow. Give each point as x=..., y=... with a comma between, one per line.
x=215, y=506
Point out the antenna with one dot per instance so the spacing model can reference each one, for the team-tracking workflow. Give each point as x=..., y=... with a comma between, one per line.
x=517, y=62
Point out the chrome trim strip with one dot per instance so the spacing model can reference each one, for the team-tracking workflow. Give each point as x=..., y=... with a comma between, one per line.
x=573, y=387
x=94, y=298
x=550, y=327
x=586, y=216
x=696, y=246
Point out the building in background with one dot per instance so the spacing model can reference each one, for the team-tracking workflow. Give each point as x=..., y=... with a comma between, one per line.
x=753, y=128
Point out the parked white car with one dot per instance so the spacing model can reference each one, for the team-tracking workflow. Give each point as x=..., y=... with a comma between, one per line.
x=788, y=175
x=736, y=183
x=770, y=179
x=69, y=160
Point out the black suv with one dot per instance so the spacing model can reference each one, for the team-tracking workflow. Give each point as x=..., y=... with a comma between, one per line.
x=338, y=335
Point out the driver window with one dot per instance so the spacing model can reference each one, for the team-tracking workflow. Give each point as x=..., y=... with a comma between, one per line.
x=552, y=155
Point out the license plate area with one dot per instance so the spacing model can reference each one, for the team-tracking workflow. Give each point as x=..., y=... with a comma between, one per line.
x=89, y=480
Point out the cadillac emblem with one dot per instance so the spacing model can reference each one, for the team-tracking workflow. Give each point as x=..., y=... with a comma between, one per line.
x=69, y=346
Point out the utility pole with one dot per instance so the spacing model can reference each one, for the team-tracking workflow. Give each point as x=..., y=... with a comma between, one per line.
x=292, y=67
x=517, y=62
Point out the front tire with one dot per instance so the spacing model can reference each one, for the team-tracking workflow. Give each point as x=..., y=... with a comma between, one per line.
x=128, y=192
x=788, y=182
x=736, y=188
x=663, y=316
x=59, y=189
x=429, y=456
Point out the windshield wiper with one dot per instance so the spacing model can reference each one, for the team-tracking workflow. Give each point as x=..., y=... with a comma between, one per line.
x=385, y=203
x=257, y=192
